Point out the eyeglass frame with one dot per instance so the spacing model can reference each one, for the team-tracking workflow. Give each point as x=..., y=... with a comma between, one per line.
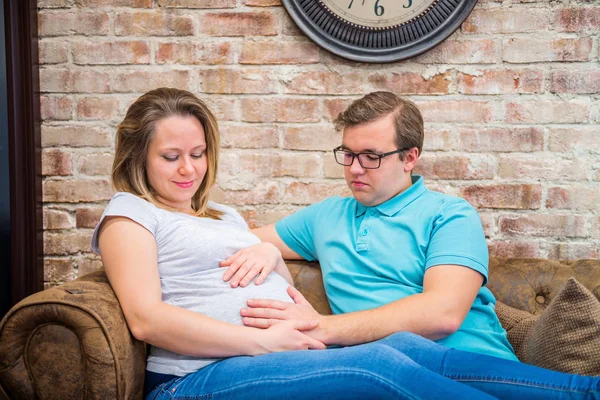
x=356, y=155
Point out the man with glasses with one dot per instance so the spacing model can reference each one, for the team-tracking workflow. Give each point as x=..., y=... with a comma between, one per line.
x=394, y=256
x=398, y=258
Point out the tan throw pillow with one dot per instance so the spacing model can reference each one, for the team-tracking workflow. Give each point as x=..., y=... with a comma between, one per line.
x=518, y=326
x=566, y=336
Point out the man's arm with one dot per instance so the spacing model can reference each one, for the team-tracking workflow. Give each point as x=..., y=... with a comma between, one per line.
x=448, y=294
x=269, y=234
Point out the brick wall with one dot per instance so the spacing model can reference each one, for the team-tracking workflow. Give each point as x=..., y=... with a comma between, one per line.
x=510, y=100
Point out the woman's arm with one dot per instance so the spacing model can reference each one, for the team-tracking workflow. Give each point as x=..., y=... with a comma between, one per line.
x=129, y=255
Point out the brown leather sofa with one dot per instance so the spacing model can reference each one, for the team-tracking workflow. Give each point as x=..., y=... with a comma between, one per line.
x=72, y=342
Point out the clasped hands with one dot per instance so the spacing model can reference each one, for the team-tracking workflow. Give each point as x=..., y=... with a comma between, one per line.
x=258, y=262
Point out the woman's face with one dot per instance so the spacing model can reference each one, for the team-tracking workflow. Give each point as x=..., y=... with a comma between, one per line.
x=176, y=161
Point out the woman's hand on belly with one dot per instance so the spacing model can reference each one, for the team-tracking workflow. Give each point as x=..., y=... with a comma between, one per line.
x=256, y=261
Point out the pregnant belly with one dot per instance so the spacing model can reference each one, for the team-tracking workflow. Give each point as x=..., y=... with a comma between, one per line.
x=206, y=293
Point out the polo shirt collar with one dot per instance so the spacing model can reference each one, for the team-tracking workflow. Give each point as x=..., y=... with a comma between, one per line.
x=398, y=202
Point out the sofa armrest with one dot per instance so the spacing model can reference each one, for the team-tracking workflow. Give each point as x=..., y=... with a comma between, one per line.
x=71, y=341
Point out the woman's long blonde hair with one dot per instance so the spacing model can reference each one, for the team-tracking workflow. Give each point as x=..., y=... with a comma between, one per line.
x=136, y=132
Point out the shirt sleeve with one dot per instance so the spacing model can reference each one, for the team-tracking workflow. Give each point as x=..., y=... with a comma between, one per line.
x=457, y=238
x=297, y=230
x=130, y=206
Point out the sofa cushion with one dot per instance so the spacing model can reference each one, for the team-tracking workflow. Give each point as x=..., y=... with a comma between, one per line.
x=565, y=337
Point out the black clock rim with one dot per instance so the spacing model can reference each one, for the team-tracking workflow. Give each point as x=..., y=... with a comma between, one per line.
x=363, y=54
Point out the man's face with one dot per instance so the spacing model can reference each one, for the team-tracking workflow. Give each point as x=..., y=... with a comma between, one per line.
x=372, y=187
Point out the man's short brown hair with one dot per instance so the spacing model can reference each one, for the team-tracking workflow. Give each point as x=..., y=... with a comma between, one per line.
x=408, y=120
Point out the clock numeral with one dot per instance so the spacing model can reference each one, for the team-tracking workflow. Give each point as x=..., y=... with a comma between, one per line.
x=379, y=10
x=405, y=6
x=350, y=5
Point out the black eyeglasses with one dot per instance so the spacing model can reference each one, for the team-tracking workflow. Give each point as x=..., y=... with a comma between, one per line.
x=366, y=160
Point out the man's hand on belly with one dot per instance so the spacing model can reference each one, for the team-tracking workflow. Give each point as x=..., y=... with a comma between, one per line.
x=263, y=313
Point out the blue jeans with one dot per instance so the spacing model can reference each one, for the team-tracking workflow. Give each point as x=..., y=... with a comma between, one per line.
x=401, y=366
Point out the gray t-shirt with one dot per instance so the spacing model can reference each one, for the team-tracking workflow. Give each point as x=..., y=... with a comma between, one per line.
x=189, y=252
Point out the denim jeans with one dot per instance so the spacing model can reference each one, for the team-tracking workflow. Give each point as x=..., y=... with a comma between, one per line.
x=401, y=366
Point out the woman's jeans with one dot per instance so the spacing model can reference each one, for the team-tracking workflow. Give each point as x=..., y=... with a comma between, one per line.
x=401, y=366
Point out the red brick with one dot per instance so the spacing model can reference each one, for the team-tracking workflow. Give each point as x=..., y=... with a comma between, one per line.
x=197, y=3
x=575, y=197
x=247, y=81
x=573, y=251
x=280, y=110
x=500, y=139
x=317, y=137
x=115, y=3
x=56, y=162
x=411, y=82
x=96, y=164
x=310, y=193
x=112, y=52
x=580, y=82
x=143, y=81
x=547, y=111
x=279, y=52
x=456, y=111
x=330, y=82
x=261, y=3
x=60, y=23
x=153, y=23
x=488, y=223
x=238, y=24
x=225, y=109
x=262, y=193
x=455, y=167
x=265, y=216
x=87, y=264
x=574, y=138
x=56, y=107
x=53, y=3
x=290, y=28
x=526, y=50
x=520, y=197
x=194, y=53
x=76, y=191
x=461, y=52
x=578, y=19
x=508, y=249
x=501, y=82
x=548, y=168
x=501, y=20
x=256, y=165
x=249, y=136
x=67, y=242
x=332, y=169
x=543, y=225
x=439, y=139
x=75, y=136
x=88, y=217
x=53, y=52
x=59, y=269
x=296, y=165
x=596, y=228
x=65, y=80
x=97, y=108
x=57, y=219
x=334, y=107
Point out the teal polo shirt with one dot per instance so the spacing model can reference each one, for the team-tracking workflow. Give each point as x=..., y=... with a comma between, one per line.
x=371, y=256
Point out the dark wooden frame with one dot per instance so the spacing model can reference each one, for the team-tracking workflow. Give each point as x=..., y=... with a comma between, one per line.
x=24, y=141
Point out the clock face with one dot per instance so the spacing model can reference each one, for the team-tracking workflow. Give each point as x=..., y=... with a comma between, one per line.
x=378, y=13
x=378, y=30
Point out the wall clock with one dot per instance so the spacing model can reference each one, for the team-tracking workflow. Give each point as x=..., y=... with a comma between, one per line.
x=378, y=30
